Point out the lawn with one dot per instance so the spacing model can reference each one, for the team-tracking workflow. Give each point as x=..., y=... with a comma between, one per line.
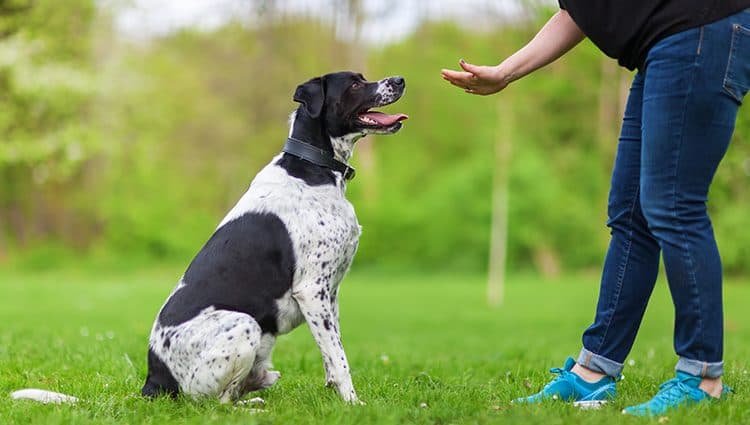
x=424, y=348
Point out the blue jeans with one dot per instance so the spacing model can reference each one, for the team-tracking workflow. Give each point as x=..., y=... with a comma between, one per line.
x=678, y=123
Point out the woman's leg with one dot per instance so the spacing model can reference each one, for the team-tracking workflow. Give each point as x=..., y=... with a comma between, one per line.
x=688, y=122
x=632, y=260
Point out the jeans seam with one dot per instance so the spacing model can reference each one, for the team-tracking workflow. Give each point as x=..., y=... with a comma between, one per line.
x=621, y=271
x=736, y=28
x=685, y=245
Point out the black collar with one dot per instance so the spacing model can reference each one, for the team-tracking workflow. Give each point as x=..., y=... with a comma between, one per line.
x=317, y=156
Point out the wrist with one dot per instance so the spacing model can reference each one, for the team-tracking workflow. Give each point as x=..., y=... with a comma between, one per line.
x=504, y=74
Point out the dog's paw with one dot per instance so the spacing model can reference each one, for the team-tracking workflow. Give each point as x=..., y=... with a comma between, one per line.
x=270, y=378
x=262, y=380
x=356, y=402
x=255, y=401
x=350, y=397
x=252, y=406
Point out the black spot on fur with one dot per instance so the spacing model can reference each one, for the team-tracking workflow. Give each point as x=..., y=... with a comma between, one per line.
x=327, y=324
x=233, y=272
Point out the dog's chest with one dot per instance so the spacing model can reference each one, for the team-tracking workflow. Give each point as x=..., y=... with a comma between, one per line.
x=322, y=226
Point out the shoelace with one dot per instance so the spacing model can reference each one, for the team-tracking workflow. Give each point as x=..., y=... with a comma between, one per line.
x=672, y=391
x=561, y=374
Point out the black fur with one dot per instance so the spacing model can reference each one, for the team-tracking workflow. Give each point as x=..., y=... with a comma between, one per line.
x=312, y=174
x=329, y=108
x=246, y=266
x=159, y=380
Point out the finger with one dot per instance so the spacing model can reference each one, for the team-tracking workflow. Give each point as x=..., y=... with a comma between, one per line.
x=458, y=82
x=480, y=91
x=461, y=86
x=456, y=75
x=473, y=69
x=460, y=77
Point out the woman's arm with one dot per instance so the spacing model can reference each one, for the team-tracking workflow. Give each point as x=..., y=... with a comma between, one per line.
x=558, y=35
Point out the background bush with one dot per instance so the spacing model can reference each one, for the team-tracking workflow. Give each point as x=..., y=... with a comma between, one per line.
x=125, y=150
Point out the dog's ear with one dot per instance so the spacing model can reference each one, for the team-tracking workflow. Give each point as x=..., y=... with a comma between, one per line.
x=312, y=96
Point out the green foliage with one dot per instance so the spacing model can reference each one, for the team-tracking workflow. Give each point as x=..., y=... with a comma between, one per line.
x=136, y=150
x=46, y=90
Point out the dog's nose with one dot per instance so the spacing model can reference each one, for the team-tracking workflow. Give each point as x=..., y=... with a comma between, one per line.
x=399, y=81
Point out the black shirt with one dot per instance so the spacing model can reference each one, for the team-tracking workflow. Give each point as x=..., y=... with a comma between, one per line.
x=626, y=29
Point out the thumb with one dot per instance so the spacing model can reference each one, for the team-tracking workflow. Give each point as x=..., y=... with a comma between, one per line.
x=469, y=67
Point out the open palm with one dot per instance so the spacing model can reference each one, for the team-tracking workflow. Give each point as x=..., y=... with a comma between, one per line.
x=476, y=79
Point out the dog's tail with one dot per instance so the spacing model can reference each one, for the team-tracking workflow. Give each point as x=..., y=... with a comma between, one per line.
x=42, y=396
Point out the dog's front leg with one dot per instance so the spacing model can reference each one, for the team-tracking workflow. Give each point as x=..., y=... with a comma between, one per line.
x=335, y=313
x=319, y=314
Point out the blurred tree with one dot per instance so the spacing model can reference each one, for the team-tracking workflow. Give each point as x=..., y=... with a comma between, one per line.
x=9, y=15
x=45, y=90
x=355, y=17
x=136, y=149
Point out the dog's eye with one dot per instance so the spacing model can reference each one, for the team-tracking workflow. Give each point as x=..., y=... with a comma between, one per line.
x=357, y=85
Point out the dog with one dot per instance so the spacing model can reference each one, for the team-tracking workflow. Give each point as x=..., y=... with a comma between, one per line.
x=275, y=261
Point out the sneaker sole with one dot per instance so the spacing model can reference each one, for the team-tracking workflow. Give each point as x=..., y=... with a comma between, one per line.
x=589, y=404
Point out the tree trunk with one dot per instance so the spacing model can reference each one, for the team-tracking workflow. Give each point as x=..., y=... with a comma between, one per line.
x=499, y=227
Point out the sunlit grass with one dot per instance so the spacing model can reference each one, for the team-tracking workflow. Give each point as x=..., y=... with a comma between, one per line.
x=424, y=348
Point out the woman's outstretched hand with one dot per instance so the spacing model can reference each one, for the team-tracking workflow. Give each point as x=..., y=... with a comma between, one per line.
x=557, y=36
x=476, y=79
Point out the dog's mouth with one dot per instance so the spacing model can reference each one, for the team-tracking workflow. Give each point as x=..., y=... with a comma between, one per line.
x=377, y=119
x=388, y=92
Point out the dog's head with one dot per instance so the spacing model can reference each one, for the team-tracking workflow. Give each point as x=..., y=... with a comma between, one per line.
x=342, y=104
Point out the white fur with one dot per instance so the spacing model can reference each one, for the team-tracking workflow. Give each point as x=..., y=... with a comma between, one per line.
x=323, y=254
x=224, y=353
x=290, y=315
x=343, y=147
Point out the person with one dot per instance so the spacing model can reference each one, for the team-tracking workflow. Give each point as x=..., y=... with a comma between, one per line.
x=693, y=70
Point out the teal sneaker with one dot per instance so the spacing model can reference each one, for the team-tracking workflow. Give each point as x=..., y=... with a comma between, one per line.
x=568, y=386
x=680, y=391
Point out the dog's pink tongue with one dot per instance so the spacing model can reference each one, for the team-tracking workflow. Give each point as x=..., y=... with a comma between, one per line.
x=385, y=119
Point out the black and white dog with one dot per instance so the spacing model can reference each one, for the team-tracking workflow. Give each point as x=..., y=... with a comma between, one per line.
x=278, y=257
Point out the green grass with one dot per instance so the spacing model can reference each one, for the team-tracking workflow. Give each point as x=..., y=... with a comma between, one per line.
x=411, y=339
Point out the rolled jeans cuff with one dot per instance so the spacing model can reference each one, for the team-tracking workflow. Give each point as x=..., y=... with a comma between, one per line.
x=599, y=364
x=699, y=368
